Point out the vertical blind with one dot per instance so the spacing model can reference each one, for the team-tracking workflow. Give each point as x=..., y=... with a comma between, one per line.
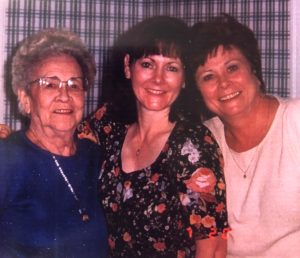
x=99, y=22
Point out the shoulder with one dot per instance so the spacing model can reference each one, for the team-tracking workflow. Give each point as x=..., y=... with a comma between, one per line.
x=288, y=116
x=288, y=110
x=215, y=125
x=188, y=128
x=88, y=148
x=194, y=135
x=15, y=152
x=290, y=105
x=100, y=125
x=15, y=141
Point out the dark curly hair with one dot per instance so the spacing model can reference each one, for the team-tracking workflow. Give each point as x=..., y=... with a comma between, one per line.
x=226, y=31
x=157, y=35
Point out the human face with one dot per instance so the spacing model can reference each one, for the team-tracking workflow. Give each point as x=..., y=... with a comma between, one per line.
x=156, y=81
x=60, y=110
x=227, y=83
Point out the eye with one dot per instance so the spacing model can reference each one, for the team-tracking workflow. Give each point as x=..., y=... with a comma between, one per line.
x=48, y=84
x=232, y=68
x=146, y=64
x=172, y=68
x=75, y=84
x=207, y=77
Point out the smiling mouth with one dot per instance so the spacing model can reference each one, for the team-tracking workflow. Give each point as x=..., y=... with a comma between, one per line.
x=63, y=111
x=155, y=92
x=230, y=96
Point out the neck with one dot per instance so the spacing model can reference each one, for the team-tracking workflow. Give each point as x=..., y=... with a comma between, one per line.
x=247, y=130
x=56, y=143
x=145, y=140
x=152, y=122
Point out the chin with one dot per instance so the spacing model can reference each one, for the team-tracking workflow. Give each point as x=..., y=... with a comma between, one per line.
x=156, y=107
x=63, y=127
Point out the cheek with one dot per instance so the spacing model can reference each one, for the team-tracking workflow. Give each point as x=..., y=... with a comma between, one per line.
x=39, y=103
x=79, y=106
x=176, y=82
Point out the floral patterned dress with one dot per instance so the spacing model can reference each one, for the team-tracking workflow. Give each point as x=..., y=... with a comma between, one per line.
x=160, y=211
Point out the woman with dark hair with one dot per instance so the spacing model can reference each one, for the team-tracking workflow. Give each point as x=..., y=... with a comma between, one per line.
x=161, y=185
x=258, y=134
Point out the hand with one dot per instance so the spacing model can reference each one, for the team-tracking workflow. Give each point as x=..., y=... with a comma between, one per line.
x=5, y=131
x=213, y=247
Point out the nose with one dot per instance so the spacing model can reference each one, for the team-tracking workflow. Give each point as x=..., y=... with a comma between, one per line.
x=64, y=94
x=223, y=81
x=158, y=75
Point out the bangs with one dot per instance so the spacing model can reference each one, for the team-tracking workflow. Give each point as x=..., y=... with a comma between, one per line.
x=164, y=48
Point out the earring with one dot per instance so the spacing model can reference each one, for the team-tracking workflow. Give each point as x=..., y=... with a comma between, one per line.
x=183, y=86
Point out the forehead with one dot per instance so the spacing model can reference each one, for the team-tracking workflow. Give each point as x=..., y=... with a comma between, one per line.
x=166, y=49
x=57, y=65
x=163, y=58
x=226, y=52
x=222, y=55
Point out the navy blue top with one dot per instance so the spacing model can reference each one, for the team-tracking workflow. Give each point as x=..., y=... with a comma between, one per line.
x=39, y=216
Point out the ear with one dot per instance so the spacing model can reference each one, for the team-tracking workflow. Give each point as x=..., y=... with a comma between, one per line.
x=127, y=66
x=24, y=102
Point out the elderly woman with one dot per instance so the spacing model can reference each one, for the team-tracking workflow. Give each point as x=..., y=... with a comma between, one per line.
x=162, y=184
x=259, y=137
x=48, y=199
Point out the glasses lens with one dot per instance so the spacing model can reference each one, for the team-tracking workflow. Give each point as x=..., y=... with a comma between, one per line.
x=76, y=84
x=49, y=83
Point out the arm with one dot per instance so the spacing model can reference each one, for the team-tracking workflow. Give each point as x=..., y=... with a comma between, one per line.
x=98, y=126
x=203, y=191
x=213, y=247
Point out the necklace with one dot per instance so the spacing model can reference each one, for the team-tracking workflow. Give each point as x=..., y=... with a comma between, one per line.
x=244, y=171
x=164, y=130
x=138, y=152
x=139, y=149
x=82, y=211
x=266, y=126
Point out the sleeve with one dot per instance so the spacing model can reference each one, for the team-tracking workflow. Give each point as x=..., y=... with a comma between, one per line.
x=11, y=176
x=99, y=126
x=291, y=123
x=3, y=179
x=201, y=182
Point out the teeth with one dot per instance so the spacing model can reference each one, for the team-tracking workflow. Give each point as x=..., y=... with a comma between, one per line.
x=230, y=96
x=155, y=91
x=63, y=111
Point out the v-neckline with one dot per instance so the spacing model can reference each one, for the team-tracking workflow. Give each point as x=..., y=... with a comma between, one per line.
x=158, y=158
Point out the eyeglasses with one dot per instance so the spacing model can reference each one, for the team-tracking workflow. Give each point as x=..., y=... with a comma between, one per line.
x=53, y=84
